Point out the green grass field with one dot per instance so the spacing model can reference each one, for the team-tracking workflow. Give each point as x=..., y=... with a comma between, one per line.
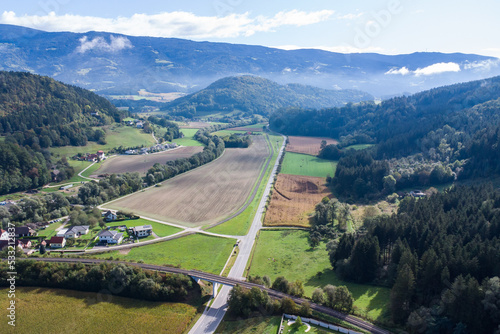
x=287, y=253
x=50, y=231
x=188, y=138
x=358, y=147
x=311, y=329
x=240, y=224
x=41, y=310
x=307, y=165
x=116, y=136
x=260, y=325
x=196, y=251
x=159, y=229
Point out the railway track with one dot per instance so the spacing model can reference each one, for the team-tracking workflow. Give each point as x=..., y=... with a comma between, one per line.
x=231, y=282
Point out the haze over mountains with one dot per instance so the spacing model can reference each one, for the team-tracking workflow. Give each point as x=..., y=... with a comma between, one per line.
x=119, y=64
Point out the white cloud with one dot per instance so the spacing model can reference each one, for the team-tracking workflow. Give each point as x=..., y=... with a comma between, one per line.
x=99, y=43
x=429, y=70
x=350, y=16
x=169, y=24
x=485, y=65
x=402, y=71
x=437, y=68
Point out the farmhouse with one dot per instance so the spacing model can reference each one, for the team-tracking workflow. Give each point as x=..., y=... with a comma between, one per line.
x=100, y=155
x=109, y=216
x=57, y=242
x=139, y=125
x=110, y=237
x=24, y=231
x=141, y=231
x=76, y=231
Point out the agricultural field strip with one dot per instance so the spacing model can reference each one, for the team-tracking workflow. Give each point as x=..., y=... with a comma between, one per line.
x=255, y=188
x=212, y=192
x=229, y=281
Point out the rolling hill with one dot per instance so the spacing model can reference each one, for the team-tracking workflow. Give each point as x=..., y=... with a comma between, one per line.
x=114, y=64
x=255, y=95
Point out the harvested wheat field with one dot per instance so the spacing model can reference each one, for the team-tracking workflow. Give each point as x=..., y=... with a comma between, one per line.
x=307, y=145
x=206, y=194
x=141, y=163
x=294, y=198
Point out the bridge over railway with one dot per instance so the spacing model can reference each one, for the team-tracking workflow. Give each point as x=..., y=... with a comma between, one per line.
x=199, y=275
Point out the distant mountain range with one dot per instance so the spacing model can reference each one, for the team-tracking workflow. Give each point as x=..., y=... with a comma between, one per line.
x=256, y=95
x=113, y=64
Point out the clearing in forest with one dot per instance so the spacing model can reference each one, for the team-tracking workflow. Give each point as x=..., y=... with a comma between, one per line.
x=206, y=194
x=294, y=199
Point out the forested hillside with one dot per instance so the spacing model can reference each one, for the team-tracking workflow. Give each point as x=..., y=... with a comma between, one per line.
x=440, y=257
x=255, y=95
x=39, y=111
x=429, y=138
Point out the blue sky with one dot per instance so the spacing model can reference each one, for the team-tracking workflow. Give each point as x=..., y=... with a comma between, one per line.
x=389, y=26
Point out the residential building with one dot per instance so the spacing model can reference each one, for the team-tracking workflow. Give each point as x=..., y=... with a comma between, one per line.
x=110, y=237
x=62, y=232
x=109, y=216
x=76, y=231
x=142, y=231
x=24, y=231
x=57, y=242
x=4, y=235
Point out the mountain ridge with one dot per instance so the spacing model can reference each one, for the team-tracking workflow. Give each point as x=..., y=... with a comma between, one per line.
x=112, y=63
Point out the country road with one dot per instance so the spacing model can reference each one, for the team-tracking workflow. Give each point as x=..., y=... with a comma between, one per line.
x=212, y=317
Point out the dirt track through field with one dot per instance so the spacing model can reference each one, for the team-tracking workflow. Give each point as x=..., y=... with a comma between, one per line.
x=206, y=194
x=307, y=145
x=141, y=163
x=293, y=199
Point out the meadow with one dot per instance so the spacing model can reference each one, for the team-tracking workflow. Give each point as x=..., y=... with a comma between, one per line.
x=307, y=165
x=188, y=139
x=197, y=251
x=287, y=253
x=116, y=136
x=41, y=310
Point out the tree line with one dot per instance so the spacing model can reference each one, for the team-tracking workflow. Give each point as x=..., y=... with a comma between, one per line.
x=114, y=279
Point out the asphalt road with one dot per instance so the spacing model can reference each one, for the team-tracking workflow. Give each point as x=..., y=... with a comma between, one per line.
x=212, y=317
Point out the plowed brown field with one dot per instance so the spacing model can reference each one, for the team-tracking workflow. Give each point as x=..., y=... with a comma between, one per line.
x=206, y=194
x=307, y=145
x=294, y=198
x=141, y=163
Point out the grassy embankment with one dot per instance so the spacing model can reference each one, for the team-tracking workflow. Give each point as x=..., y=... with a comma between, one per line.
x=240, y=224
x=201, y=252
x=41, y=310
x=287, y=253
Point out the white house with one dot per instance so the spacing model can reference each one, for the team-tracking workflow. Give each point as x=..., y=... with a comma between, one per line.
x=62, y=232
x=109, y=216
x=76, y=231
x=4, y=235
x=110, y=237
x=57, y=242
x=142, y=231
